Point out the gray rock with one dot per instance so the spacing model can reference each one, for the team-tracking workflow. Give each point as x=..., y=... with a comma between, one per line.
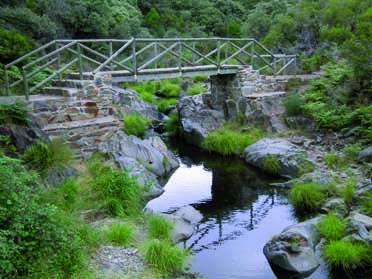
x=337, y=204
x=365, y=156
x=363, y=219
x=185, y=219
x=291, y=158
x=294, y=249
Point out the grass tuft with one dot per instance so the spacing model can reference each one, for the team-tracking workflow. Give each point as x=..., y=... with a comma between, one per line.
x=307, y=197
x=121, y=234
x=270, y=164
x=160, y=227
x=332, y=228
x=135, y=125
x=168, y=259
x=173, y=125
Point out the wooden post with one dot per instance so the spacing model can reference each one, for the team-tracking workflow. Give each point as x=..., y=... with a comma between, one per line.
x=25, y=84
x=218, y=55
x=134, y=59
x=110, y=52
x=179, y=57
x=58, y=61
x=155, y=54
x=79, y=61
x=6, y=81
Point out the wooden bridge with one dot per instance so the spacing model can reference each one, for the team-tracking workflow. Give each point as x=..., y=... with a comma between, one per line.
x=141, y=59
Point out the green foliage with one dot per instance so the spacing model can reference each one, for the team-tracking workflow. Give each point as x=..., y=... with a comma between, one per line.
x=346, y=255
x=307, y=197
x=120, y=234
x=196, y=89
x=164, y=104
x=135, y=125
x=270, y=164
x=333, y=161
x=55, y=155
x=332, y=228
x=351, y=152
x=367, y=203
x=168, y=259
x=39, y=156
x=35, y=238
x=13, y=46
x=160, y=227
x=14, y=113
x=293, y=104
x=172, y=125
x=121, y=193
x=229, y=141
x=169, y=88
x=348, y=193
x=69, y=191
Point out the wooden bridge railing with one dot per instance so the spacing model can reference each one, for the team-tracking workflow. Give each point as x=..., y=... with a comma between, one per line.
x=142, y=59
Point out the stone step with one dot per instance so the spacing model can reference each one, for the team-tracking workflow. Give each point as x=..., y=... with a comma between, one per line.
x=63, y=91
x=264, y=94
x=71, y=83
x=76, y=76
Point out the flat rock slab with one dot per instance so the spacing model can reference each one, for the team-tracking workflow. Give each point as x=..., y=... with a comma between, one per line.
x=363, y=219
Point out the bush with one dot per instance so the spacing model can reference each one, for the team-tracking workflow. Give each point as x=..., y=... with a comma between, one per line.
x=120, y=234
x=121, y=193
x=228, y=141
x=14, y=113
x=69, y=191
x=334, y=161
x=160, y=227
x=164, y=104
x=270, y=164
x=332, y=228
x=196, y=89
x=293, y=104
x=169, y=260
x=39, y=156
x=307, y=197
x=172, y=125
x=135, y=125
x=347, y=256
x=348, y=193
x=35, y=239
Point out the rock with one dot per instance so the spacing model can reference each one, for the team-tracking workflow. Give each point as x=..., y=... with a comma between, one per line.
x=337, y=204
x=363, y=219
x=293, y=251
x=365, y=156
x=292, y=160
x=357, y=229
x=197, y=119
x=184, y=220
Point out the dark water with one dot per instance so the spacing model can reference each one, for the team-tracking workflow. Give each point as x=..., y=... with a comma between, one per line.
x=241, y=213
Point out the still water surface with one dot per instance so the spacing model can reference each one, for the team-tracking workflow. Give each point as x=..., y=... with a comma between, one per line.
x=241, y=213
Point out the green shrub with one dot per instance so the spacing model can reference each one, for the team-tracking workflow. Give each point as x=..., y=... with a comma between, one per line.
x=200, y=78
x=270, y=164
x=14, y=113
x=168, y=259
x=36, y=239
x=307, y=197
x=120, y=234
x=164, y=104
x=196, y=89
x=293, y=104
x=334, y=161
x=121, y=193
x=227, y=141
x=169, y=88
x=172, y=125
x=69, y=191
x=160, y=227
x=332, y=228
x=63, y=154
x=348, y=193
x=352, y=151
x=39, y=156
x=346, y=255
x=148, y=97
x=135, y=125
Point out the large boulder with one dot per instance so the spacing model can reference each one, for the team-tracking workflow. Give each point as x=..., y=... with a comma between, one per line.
x=149, y=160
x=365, y=156
x=292, y=252
x=292, y=159
x=198, y=119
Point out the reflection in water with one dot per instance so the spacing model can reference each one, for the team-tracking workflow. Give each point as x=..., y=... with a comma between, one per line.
x=241, y=213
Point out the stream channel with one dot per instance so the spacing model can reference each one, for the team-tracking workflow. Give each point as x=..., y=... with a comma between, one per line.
x=241, y=213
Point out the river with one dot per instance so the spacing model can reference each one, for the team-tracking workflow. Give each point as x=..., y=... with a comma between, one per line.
x=241, y=213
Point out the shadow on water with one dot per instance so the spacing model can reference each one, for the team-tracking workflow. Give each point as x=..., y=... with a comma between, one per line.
x=241, y=212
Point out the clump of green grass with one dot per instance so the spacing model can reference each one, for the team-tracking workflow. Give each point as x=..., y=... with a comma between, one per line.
x=270, y=164
x=352, y=152
x=293, y=104
x=120, y=192
x=196, y=89
x=332, y=228
x=228, y=141
x=14, y=113
x=173, y=125
x=348, y=193
x=334, y=161
x=160, y=227
x=121, y=234
x=169, y=260
x=307, y=197
x=346, y=255
x=169, y=88
x=69, y=191
x=136, y=125
x=164, y=104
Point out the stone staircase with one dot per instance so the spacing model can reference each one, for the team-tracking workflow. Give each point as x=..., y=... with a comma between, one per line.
x=80, y=112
